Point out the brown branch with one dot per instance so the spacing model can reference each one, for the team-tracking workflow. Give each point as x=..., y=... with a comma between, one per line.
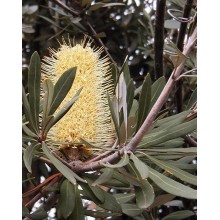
x=180, y=43
x=40, y=194
x=190, y=141
x=132, y=145
x=159, y=38
x=45, y=160
x=28, y=193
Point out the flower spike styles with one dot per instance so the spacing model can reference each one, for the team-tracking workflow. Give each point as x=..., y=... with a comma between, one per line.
x=90, y=117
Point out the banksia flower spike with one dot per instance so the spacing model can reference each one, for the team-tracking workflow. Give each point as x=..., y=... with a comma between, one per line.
x=90, y=117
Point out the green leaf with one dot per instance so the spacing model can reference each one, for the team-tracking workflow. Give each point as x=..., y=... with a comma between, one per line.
x=124, y=197
x=130, y=129
x=50, y=21
x=130, y=95
x=192, y=100
x=66, y=107
x=34, y=78
x=180, y=3
x=171, y=121
x=29, y=154
x=118, y=176
x=114, y=116
x=172, y=24
x=181, y=174
x=179, y=215
x=67, y=198
x=48, y=96
x=59, y=11
x=98, y=192
x=27, y=111
x=78, y=212
x=88, y=193
x=133, y=176
x=183, y=166
x=105, y=176
x=174, y=143
x=124, y=161
x=110, y=203
x=175, y=55
x=131, y=210
x=101, y=214
x=66, y=171
x=38, y=214
x=28, y=131
x=180, y=130
x=100, y=5
x=156, y=89
x=172, y=186
x=121, y=94
x=162, y=199
x=140, y=166
x=126, y=71
x=62, y=87
x=144, y=195
x=144, y=101
x=48, y=123
x=179, y=150
x=134, y=108
x=107, y=201
x=138, y=90
x=168, y=156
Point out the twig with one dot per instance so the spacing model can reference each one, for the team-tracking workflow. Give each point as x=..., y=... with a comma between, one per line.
x=45, y=160
x=40, y=194
x=190, y=141
x=71, y=11
x=159, y=38
x=132, y=145
x=28, y=193
x=95, y=35
x=180, y=40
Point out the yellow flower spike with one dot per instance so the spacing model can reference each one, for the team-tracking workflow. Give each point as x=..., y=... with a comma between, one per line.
x=90, y=117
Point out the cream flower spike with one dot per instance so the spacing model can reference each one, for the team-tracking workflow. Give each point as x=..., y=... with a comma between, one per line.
x=89, y=117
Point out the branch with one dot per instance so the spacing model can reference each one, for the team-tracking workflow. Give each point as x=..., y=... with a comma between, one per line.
x=159, y=38
x=162, y=98
x=132, y=145
x=180, y=40
x=191, y=141
x=183, y=25
x=66, y=8
x=95, y=35
x=40, y=194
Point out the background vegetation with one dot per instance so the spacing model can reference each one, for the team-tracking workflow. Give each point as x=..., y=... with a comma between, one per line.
x=146, y=42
